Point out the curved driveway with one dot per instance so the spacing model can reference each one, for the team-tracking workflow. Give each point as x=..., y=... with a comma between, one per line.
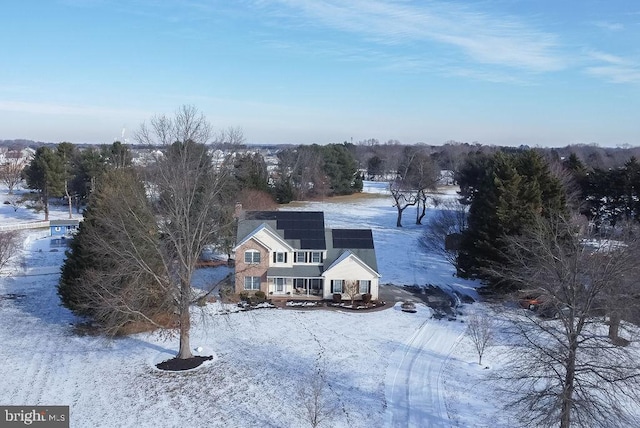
x=413, y=390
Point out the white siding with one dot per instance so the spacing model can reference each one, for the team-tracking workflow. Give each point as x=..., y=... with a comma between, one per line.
x=274, y=245
x=288, y=287
x=348, y=269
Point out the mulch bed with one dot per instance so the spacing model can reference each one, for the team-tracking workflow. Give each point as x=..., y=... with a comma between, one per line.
x=180, y=364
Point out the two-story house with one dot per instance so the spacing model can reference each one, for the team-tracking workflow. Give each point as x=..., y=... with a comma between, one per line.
x=291, y=254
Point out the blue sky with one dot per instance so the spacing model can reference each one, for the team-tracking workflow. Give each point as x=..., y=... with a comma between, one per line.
x=505, y=72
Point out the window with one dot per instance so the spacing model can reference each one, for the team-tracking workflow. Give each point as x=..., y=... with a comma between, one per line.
x=316, y=257
x=252, y=283
x=279, y=257
x=252, y=256
x=365, y=286
x=279, y=285
x=336, y=286
x=300, y=257
x=299, y=283
x=316, y=284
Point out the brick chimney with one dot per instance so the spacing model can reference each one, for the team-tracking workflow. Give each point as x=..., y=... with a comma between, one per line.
x=238, y=212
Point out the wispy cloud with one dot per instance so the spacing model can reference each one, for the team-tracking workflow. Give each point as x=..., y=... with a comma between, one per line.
x=487, y=38
x=609, y=26
x=67, y=110
x=614, y=68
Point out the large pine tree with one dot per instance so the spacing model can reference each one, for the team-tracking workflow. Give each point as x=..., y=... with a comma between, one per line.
x=98, y=277
x=46, y=174
x=506, y=193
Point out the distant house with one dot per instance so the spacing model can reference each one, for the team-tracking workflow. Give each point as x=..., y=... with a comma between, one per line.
x=291, y=254
x=64, y=227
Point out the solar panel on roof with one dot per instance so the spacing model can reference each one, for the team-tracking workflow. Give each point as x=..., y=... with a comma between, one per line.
x=261, y=215
x=352, y=238
x=305, y=226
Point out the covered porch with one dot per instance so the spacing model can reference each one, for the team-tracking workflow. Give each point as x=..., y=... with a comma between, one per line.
x=301, y=282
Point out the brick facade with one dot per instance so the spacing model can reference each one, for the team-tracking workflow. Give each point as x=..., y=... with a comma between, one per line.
x=254, y=269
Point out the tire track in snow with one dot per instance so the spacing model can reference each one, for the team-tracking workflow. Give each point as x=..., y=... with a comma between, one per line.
x=399, y=400
x=414, y=395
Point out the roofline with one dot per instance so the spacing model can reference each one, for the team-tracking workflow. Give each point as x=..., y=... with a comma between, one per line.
x=345, y=256
x=270, y=231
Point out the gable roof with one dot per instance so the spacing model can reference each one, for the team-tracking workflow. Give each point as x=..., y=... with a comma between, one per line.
x=347, y=254
x=270, y=231
x=358, y=242
x=301, y=229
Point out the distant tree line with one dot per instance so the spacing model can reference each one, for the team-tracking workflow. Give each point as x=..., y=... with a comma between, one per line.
x=307, y=172
x=609, y=197
x=66, y=172
x=380, y=159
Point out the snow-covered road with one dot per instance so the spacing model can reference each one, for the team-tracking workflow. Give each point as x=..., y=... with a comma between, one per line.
x=413, y=390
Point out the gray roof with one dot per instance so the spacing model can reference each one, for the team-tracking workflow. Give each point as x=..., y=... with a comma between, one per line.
x=65, y=222
x=297, y=271
x=302, y=229
x=367, y=255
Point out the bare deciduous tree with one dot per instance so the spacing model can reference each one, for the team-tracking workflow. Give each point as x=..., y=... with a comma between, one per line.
x=417, y=173
x=444, y=228
x=9, y=245
x=481, y=333
x=303, y=167
x=11, y=170
x=15, y=201
x=403, y=197
x=351, y=289
x=568, y=371
x=190, y=202
x=185, y=201
x=231, y=136
x=317, y=408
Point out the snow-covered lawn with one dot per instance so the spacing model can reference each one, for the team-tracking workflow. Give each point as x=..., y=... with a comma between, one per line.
x=381, y=368
x=12, y=211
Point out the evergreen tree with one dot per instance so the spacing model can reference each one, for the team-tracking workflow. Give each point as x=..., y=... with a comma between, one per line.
x=91, y=165
x=575, y=166
x=46, y=175
x=358, y=182
x=375, y=167
x=507, y=193
x=612, y=195
x=283, y=191
x=631, y=173
x=97, y=278
x=473, y=175
x=250, y=172
x=118, y=155
x=340, y=167
x=314, y=171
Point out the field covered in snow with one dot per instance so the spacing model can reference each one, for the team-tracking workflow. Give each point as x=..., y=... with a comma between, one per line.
x=382, y=368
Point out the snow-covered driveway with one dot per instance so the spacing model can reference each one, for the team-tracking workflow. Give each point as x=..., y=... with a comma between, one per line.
x=413, y=389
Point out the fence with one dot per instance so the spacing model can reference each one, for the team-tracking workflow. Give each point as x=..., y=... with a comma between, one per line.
x=43, y=224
